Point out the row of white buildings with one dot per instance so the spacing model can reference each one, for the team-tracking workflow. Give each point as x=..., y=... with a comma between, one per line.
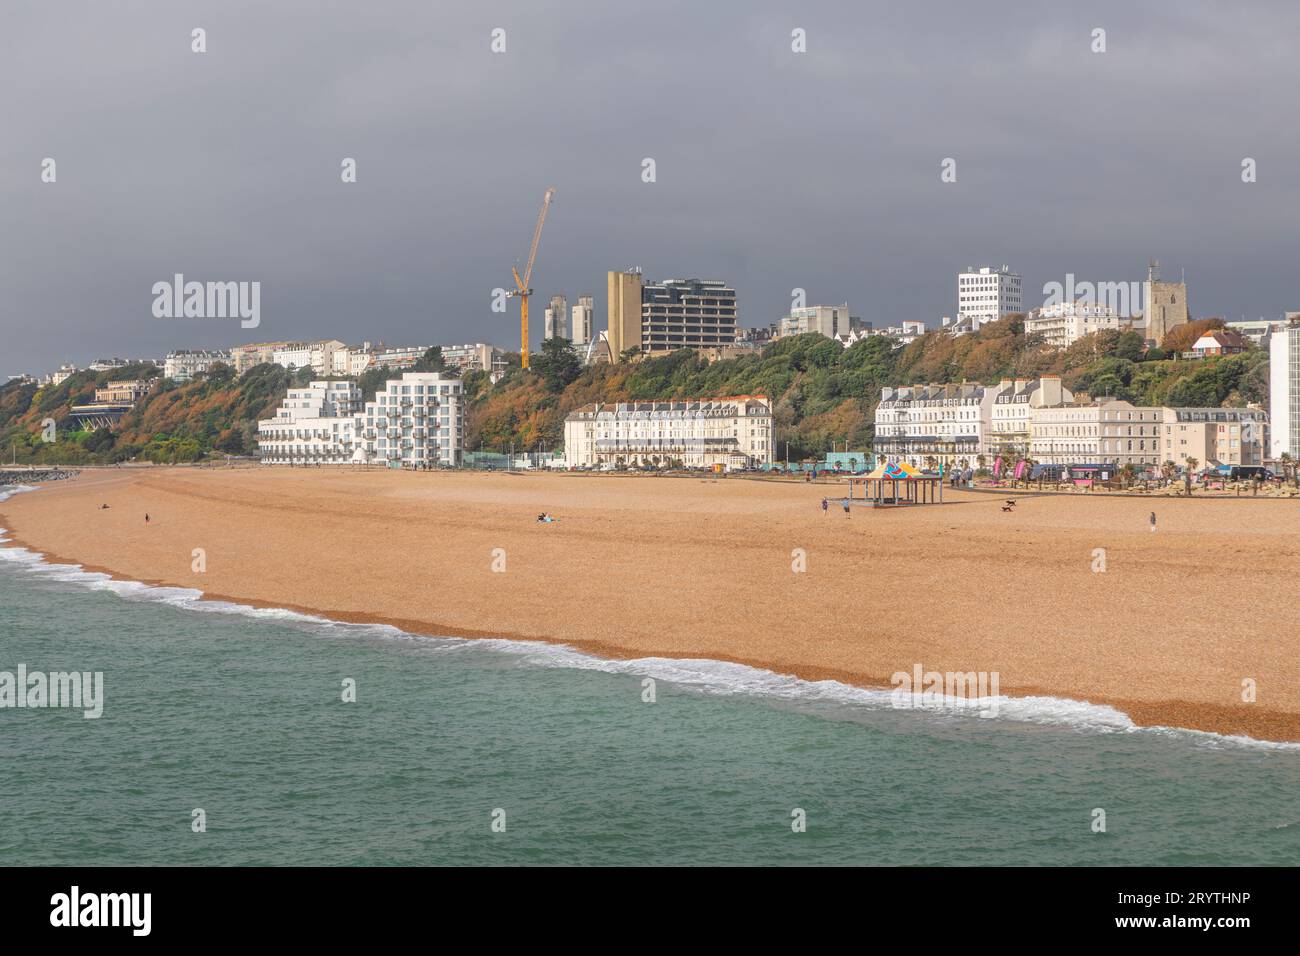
x=958, y=424
x=331, y=357
x=415, y=421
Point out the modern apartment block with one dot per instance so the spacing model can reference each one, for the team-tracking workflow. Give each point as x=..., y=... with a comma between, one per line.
x=478, y=356
x=1214, y=436
x=831, y=321
x=1106, y=431
x=735, y=433
x=1014, y=404
x=1284, y=391
x=924, y=424
x=183, y=364
x=582, y=325
x=1064, y=323
x=660, y=317
x=415, y=421
x=316, y=425
x=985, y=295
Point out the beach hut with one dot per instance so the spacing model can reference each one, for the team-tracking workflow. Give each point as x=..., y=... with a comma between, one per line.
x=898, y=484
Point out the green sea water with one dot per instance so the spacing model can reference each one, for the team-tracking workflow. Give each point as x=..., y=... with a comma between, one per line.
x=240, y=713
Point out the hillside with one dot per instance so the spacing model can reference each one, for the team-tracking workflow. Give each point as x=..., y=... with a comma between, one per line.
x=823, y=393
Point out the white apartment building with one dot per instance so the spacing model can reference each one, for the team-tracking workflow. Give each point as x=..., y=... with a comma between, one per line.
x=583, y=319
x=736, y=433
x=416, y=421
x=898, y=335
x=1284, y=391
x=398, y=356
x=1014, y=402
x=1064, y=323
x=924, y=424
x=985, y=295
x=316, y=425
x=1109, y=431
x=183, y=364
x=831, y=321
x=64, y=373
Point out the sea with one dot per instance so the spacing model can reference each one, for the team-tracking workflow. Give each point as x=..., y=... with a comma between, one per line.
x=238, y=736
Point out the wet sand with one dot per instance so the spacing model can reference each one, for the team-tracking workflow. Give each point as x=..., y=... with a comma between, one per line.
x=691, y=567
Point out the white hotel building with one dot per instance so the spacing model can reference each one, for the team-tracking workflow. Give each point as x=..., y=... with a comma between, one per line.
x=736, y=433
x=986, y=295
x=1106, y=431
x=948, y=424
x=416, y=421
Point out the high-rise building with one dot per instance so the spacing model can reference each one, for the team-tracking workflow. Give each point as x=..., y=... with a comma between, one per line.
x=557, y=318
x=1165, y=304
x=986, y=295
x=687, y=314
x=582, y=322
x=624, y=310
x=1284, y=391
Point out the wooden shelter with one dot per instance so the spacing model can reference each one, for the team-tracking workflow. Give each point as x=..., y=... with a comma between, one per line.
x=898, y=484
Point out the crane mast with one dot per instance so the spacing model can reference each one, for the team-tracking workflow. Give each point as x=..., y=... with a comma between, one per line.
x=522, y=289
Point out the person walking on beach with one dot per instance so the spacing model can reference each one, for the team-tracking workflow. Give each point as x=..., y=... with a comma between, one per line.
x=825, y=506
x=1153, y=522
x=146, y=517
x=846, y=508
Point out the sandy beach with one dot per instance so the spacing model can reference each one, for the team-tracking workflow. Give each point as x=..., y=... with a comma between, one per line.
x=695, y=567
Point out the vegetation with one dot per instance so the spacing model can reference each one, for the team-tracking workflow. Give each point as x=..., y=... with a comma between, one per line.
x=822, y=393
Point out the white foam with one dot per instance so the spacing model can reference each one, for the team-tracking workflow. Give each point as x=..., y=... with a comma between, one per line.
x=720, y=678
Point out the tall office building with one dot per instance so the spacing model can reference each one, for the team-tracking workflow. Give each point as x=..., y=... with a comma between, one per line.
x=1284, y=391
x=624, y=310
x=687, y=314
x=557, y=318
x=986, y=295
x=582, y=321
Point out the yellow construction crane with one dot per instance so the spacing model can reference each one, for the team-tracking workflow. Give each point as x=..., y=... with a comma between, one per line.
x=521, y=284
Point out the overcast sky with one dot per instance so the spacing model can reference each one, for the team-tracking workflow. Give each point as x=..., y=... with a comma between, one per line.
x=775, y=170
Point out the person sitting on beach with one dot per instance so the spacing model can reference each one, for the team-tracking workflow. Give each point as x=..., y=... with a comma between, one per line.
x=103, y=507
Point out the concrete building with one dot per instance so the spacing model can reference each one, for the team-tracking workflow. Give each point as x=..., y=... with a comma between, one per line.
x=1106, y=431
x=624, y=312
x=831, y=321
x=928, y=424
x=1011, y=416
x=183, y=364
x=660, y=317
x=985, y=295
x=244, y=357
x=557, y=318
x=316, y=425
x=403, y=356
x=476, y=357
x=1214, y=436
x=1165, y=305
x=1064, y=323
x=735, y=433
x=1284, y=392
x=1255, y=330
x=417, y=421
x=583, y=319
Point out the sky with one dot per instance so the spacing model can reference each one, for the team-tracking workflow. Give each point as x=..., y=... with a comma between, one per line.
x=774, y=170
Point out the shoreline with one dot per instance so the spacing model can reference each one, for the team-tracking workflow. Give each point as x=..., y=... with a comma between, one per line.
x=1257, y=723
